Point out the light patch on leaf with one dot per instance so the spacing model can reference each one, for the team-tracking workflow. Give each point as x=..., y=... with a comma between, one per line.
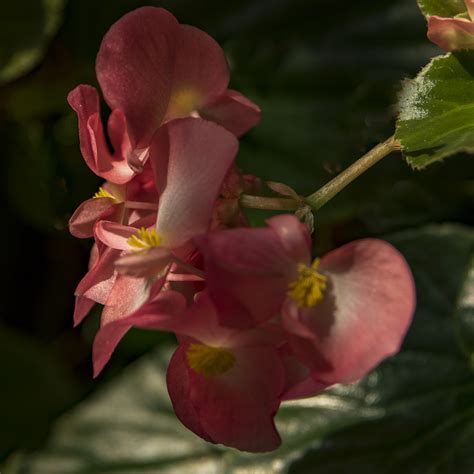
x=415, y=93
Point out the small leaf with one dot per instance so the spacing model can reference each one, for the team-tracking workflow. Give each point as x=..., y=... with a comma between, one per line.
x=445, y=8
x=436, y=117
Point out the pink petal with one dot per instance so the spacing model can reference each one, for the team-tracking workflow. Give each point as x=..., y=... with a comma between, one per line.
x=248, y=271
x=364, y=316
x=81, y=224
x=144, y=264
x=234, y=112
x=202, y=322
x=82, y=308
x=294, y=236
x=98, y=281
x=236, y=408
x=85, y=101
x=158, y=313
x=178, y=379
x=114, y=235
x=451, y=34
x=135, y=67
x=190, y=158
x=125, y=297
x=200, y=73
x=299, y=381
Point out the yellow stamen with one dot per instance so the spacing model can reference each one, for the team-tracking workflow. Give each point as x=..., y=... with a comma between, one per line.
x=145, y=239
x=103, y=193
x=308, y=289
x=209, y=361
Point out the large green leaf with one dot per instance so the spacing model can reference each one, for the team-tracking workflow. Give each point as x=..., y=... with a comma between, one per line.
x=26, y=28
x=446, y=8
x=437, y=110
x=413, y=414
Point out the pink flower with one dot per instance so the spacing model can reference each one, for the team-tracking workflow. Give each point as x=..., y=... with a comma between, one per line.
x=343, y=314
x=226, y=384
x=453, y=34
x=151, y=70
x=128, y=203
x=190, y=158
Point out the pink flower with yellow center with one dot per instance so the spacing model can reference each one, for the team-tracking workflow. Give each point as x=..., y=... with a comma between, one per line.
x=342, y=314
x=151, y=70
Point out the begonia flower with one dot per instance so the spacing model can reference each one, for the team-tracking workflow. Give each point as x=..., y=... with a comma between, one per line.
x=226, y=384
x=191, y=158
x=453, y=34
x=344, y=313
x=125, y=204
x=152, y=70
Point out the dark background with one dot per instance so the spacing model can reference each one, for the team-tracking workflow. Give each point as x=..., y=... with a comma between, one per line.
x=326, y=75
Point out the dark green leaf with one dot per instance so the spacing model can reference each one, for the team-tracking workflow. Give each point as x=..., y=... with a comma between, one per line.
x=34, y=389
x=413, y=414
x=437, y=110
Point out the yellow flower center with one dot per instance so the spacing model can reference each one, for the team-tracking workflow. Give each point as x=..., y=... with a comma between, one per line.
x=209, y=361
x=144, y=239
x=184, y=101
x=103, y=193
x=308, y=289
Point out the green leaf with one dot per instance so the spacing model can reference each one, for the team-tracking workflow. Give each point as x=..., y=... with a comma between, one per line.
x=437, y=110
x=414, y=413
x=26, y=28
x=445, y=8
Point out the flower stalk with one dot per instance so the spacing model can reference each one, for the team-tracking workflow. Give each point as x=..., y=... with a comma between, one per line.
x=269, y=203
x=329, y=190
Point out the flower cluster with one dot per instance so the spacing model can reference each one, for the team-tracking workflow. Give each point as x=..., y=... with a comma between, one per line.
x=456, y=33
x=257, y=320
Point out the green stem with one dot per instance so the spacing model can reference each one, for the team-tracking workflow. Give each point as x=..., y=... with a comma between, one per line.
x=269, y=203
x=329, y=190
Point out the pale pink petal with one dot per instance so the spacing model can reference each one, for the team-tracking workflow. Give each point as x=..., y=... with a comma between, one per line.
x=366, y=311
x=451, y=34
x=114, y=235
x=201, y=73
x=158, y=313
x=247, y=271
x=81, y=223
x=146, y=264
x=85, y=102
x=190, y=158
x=99, y=280
x=234, y=112
x=294, y=236
x=125, y=297
x=236, y=408
x=135, y=67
